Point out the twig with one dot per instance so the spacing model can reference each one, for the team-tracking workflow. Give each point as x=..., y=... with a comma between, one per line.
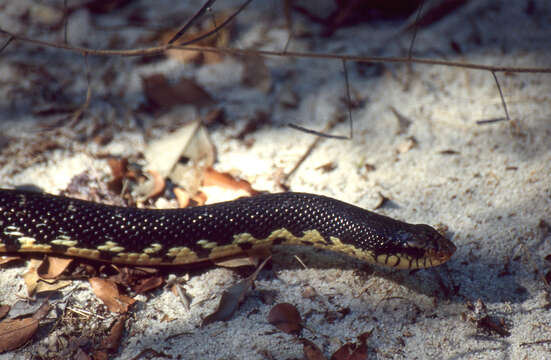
x=10, y=39
x=330, y=125
x=318, y=133
x=415, y=28
x=191, y=21
x=154, y=50
x=501, y=95
x=348, y=99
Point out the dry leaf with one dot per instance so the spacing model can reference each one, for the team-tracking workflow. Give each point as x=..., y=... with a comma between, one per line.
x=31, y=276
x=108, y=292
x=16, y=332
x=286, y=318
x=4, y=310
x=7, y=259
x=112, y=341
x=237, y=262
x=147, y=284
x=232, y=297
x=119, y=168
x=407, y=145
x=35, y=284
x=190, y=141
x=164, y=95
x=51, y=267
x=226, y=181
x=158, y=184
x=311, y=351
x=351, y=351
x=182, y=197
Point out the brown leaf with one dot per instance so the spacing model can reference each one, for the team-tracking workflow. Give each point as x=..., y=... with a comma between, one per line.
x=147, y=284
x=119, y=168
x=7, y=259
x=51, y=267
x=16, y=332
x=35, y=284
x=225, y=180
x=108, y=292
x=351, y=351
x=4, y=310
x=112, y=341
x=182, y=196
x=158, y=184
x=164, y=95
x=232, y=297
x=31, y=276
x=237, y=261
x=311, y=351
x=286, y=318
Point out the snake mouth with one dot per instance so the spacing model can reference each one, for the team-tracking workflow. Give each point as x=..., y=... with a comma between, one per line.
x=442, y=252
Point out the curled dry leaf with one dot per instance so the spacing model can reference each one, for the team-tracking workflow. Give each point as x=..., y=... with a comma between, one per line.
x=232, y=297
x=183, y=197
x=108, y=292
x=112, y=341
x=311, y=350
x=51, y=267
x=351, y=351
x=35, y=284
x=4, y=310
x=286, y=318
x=119, y=169
x=164, y=95
x=158, y=184
x=8, y=259
x=147, y=284
x=16, y=332
x=190, y=141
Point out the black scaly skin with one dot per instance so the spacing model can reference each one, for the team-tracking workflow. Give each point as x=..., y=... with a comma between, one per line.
x=46, y=217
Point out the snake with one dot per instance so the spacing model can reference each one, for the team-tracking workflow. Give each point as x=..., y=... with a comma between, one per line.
x=35, y=222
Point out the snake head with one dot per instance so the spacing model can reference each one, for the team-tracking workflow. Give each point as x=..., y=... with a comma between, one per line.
x=423, y=246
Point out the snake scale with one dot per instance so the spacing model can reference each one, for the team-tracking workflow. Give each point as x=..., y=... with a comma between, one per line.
x=42, y=223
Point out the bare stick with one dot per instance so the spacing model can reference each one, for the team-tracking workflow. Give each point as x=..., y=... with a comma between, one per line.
x=154, y=50
x=318, y=133
x=415, y=28
x=10, y=39
x=191, y=21
x=348, y=99
x=501, y=95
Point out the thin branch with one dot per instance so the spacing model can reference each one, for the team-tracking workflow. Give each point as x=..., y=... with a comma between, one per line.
x=318, y=133
x=328, y=127
x=10, y=39
x=501, y=95
x=348, y=99
x=415, y=28
x=366, y=59
x=490, y=121
x=216, y=29
x=191, y=21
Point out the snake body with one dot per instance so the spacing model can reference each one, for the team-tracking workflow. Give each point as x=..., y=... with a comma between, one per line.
x=43, y=223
